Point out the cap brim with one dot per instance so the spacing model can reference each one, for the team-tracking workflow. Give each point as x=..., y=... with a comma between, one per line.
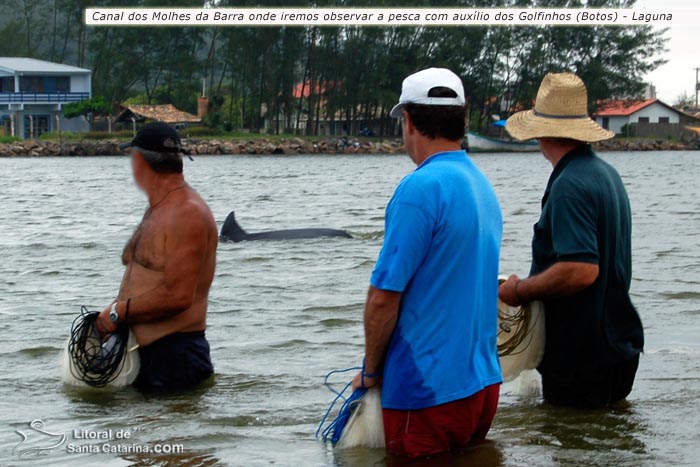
x=181, y=152
x=397, y=111
x=527, y=125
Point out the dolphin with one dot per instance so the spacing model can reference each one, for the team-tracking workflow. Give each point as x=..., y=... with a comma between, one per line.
x=232, y=232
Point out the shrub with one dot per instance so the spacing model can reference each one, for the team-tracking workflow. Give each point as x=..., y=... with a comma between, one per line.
x=9, y=139
x=628, y=130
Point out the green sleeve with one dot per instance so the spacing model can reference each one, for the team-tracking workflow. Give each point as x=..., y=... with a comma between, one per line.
x=574, y=229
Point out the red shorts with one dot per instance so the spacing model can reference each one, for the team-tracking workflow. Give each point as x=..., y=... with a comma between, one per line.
x=417, y=433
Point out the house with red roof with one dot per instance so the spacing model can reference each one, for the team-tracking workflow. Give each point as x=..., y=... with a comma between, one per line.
x=615, y=114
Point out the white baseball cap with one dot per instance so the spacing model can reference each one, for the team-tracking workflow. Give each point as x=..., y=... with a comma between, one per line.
x=416, y=88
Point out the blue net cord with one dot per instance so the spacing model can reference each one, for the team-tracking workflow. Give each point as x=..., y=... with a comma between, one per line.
x=333, y=430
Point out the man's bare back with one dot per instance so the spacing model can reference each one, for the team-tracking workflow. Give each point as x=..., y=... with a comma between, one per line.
x=147, y=254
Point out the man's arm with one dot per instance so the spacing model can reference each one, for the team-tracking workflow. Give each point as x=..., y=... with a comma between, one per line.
x=574, y=224
x=185, y=250
x=407, y=240
x=381, y=315
x=561, y=279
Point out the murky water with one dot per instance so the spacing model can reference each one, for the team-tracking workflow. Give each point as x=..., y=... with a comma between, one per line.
x=282, y=314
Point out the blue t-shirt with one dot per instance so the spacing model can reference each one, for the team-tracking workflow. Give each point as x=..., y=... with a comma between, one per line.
x=441, y=250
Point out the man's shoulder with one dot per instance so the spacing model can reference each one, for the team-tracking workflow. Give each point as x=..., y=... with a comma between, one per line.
x=417, y=184
x=587, y=168
x=432, y=174
x=591, y=162
x=586, y=179
x=192, y=210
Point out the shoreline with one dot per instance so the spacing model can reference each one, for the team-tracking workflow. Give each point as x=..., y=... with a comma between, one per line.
x=281, y=146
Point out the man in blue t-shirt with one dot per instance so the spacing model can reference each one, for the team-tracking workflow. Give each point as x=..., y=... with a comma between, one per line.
x=431, y=312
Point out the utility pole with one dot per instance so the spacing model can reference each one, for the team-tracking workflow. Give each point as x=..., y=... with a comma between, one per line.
x=697, y=86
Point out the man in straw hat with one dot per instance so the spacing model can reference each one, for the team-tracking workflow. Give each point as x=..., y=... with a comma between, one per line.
x=582, y=258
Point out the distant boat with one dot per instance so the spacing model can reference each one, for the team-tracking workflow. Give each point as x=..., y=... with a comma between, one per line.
x=481, y=143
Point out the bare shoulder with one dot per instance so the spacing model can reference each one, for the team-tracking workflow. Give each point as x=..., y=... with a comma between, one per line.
x=191, y=212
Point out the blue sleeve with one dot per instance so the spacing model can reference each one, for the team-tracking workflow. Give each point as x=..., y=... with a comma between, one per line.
x=409, y=232
x=574, y=230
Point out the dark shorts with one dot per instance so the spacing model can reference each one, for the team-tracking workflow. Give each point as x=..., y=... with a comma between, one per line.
x=612, y=385
x=418, y=433
x=175, y=362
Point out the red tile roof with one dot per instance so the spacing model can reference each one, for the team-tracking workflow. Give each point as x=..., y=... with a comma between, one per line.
x=624, y=108
x=319, y=88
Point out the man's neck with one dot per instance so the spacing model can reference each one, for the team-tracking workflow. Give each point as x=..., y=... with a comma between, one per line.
x=556, y=154
x=434, y=146
x=162, y=186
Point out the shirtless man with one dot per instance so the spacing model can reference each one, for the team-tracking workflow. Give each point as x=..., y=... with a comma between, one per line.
x=170, y=262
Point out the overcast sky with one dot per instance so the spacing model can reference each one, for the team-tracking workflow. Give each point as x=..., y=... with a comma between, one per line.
x=678, y=75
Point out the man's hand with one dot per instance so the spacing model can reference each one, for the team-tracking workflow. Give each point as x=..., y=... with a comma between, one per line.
x=560, y=280
x=104, y=323
x=506, y=291
x=369, y=382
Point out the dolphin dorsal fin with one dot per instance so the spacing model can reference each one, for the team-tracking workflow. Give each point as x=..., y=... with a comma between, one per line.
x=231, y=230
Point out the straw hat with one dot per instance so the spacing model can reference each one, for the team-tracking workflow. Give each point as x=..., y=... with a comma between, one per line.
x=561, y=111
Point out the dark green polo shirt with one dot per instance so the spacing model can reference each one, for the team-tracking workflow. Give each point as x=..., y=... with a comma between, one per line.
x=586, y=218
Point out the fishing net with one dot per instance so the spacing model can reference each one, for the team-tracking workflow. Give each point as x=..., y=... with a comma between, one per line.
x=89, y=359
x=520, y=337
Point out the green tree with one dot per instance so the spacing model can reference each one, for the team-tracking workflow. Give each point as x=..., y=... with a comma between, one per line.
x=350, y=76
x=89, y=108
x=92, y=106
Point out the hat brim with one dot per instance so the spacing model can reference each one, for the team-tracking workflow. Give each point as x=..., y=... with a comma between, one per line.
x=397, y=110
x=526, y=125
x=128, y=145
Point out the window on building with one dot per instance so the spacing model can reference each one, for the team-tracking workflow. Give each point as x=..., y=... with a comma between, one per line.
x=7, y=84
x=5, y=125
x=664, y=120
x=44, y=84
x=643, y=120
x=36, y=126
x=606, y=123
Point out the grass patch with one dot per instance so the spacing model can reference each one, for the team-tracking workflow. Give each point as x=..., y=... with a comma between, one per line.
x=9, y=139
x=247, y=136
x=200, y=132
x=89, y=136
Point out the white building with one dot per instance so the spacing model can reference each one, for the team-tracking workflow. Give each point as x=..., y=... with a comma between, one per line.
x=614, y=115
x=33, y=92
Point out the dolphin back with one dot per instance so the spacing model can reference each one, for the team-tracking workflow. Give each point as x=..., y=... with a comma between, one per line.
x=231, y=231
x=297, y=234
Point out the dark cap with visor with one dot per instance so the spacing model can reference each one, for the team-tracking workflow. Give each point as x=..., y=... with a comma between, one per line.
x=157, y=137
